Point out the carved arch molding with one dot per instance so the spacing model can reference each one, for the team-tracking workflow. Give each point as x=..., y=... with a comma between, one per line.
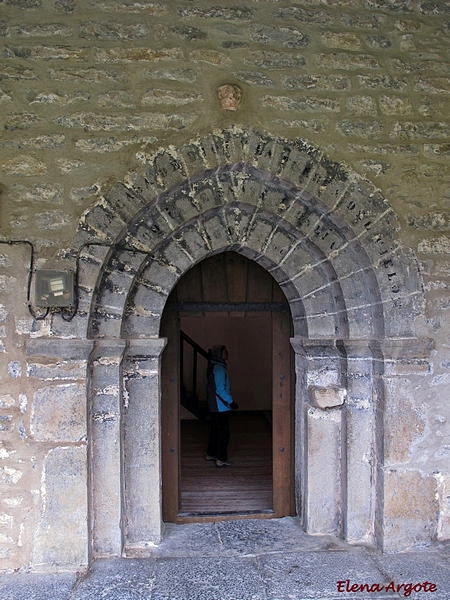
x=329, y=239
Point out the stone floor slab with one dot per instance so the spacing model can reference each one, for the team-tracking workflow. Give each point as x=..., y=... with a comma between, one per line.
x=258, y=536
x=207, y=579
x=305, y=575
x=416, y=568
x=193, y=539
x=36, y=586
x=116, y=579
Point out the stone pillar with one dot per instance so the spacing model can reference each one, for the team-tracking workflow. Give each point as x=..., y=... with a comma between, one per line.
x=105, y=448
x=142, y=445
x=363, y=485
x=56, y=369
x=320, y=432
x=411, y=499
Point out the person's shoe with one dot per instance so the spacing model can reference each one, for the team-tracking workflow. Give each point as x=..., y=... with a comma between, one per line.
x=208, y=457
x=223, y=463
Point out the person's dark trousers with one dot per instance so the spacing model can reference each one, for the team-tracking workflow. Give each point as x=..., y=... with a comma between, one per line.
x=219, y=436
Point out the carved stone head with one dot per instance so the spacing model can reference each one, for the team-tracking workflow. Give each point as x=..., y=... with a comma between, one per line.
x=229, y=96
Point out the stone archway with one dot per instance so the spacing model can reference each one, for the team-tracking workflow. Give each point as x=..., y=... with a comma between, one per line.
x=329, y=240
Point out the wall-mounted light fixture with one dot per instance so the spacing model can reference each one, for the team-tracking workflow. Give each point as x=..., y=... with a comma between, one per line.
x=54, y=289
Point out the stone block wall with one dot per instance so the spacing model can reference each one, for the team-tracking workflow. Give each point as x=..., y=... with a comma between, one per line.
x=90, y=90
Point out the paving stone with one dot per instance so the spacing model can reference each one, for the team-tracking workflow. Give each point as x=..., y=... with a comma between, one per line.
x=418, y=567
x=297, y=576
x=117, y=579
x=36, y=586
x=207, y=579
x=195, y=539
x=257, y=536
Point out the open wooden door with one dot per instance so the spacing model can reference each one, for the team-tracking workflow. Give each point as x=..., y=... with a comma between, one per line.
x=282, y=426
x=282, y=417
x=170, y=419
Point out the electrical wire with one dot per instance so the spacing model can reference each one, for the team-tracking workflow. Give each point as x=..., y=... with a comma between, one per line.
x=67, y=315
x=36, y=316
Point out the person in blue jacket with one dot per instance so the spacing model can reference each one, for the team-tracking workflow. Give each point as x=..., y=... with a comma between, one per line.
x=220, y=402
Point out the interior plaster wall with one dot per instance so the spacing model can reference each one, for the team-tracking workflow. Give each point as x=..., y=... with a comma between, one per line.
x=90, y=91
x=249, y=342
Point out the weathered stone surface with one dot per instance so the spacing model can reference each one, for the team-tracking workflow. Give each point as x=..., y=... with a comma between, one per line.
x=410, y=507
x=95, y=122
x=232, y=13
x=393, y=105
x=435, y=245
x=110, y=144
x=433, y=85
x=385, y=149
x=317, y=82
x=434, y=221
x=287, y=36
x=64, y=512
x=254, y=78
x=212, y=57
x=304, y=15
x=123, y=55
x=443, y=493
x=325, y=459
x=93, y=30
x=347, y=62
x=24, y=165
x=436, y=149
x=59, y=413
x=90, y=75
x=362, y=105
x=43, y=30
x=184, y=75
x=378, y=41
x=168, y=97
x=17, y=73
x=47, y=53
x=364, y=129
x=275, y=60
x=41, y=142
x=305, y=103
x=382, y=82
x=344, y=41
x=420, y=65
x=117, y=99
x=58, y=98
x=329, y=397
x=156, y=9
x=23, y=120
x=403, y=422
x=190, y=33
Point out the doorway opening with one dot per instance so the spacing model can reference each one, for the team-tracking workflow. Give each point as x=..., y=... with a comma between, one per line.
x=247, y=486
x=242, y=307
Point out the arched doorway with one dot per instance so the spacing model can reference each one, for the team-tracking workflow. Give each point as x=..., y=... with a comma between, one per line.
x=328, y=239
x=228, y=298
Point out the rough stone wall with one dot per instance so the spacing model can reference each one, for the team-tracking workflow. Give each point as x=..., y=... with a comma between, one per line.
x=89, y=90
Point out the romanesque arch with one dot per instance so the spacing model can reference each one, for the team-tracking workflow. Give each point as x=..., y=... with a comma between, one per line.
x=328, y=238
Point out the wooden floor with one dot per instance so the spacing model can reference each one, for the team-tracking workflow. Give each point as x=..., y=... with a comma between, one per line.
x=245, y=486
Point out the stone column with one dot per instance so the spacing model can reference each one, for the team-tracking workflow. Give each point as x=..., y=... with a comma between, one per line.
x=319, y=434
x=105, y=448
x=142, y=445
x=364, y=441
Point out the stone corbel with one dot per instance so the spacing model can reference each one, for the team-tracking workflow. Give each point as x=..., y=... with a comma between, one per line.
x=326, y=397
